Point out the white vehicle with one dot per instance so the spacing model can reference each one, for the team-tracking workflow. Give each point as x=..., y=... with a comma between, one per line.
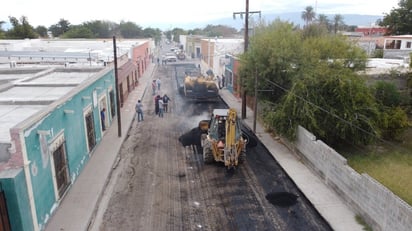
x=171, y=58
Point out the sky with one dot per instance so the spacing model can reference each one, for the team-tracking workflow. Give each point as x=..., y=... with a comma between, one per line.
x=167, y=14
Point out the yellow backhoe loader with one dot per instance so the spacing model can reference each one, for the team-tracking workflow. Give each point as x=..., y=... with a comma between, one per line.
x=222, y=139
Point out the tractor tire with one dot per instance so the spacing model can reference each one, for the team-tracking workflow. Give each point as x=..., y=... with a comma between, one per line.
x=242, y=156
x=207, y=155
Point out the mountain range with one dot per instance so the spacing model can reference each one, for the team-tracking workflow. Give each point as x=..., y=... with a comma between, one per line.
x=293, y=17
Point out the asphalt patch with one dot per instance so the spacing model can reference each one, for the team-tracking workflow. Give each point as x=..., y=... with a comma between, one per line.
x=282, y=199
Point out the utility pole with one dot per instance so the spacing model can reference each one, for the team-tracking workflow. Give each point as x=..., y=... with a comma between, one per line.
x=116, y=77
x=256, y=102
x=246, y=44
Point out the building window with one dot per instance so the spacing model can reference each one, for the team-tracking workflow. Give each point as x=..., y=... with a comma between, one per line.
x=61, y=168
x=408, y=44
x=90, y=130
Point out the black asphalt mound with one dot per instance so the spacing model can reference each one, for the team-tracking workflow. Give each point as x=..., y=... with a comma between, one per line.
x=191, y=137
x=282, y=199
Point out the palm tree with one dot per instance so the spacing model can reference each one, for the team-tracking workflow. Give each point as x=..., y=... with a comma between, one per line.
x=323, y=21
x=308, y=15
x=337, y=22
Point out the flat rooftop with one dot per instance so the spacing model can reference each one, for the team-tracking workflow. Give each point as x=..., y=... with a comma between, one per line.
x=36, y=72
x=25, y=94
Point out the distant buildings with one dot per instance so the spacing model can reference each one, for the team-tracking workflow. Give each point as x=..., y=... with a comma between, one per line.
x=372, y=30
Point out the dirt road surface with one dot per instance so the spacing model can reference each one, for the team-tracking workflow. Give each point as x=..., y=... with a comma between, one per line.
x=160, y=185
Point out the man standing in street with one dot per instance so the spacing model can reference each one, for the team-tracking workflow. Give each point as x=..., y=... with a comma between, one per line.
x=160, y=107
x=139, y=111
x=166, y=100
x=158, y=82
x=156, y=100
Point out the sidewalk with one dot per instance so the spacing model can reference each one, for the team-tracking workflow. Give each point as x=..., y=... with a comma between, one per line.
x=77, y=208
x=326, y=201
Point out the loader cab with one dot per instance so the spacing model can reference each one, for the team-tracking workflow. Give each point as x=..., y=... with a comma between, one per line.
x=217, y=124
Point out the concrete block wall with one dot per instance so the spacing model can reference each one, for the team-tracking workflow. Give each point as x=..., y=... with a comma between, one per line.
x=382, y=209
x=396, y=54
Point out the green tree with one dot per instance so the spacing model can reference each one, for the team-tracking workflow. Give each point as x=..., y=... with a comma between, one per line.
x=42, y=31
x=219, y=30
x=273, y=55
x=315, y=30
x=311, y=78
x=308, y=15
x=338, y=23
x=156, y=34
x=196, y=31
x=2, y=34
x=328, y=97
x=101, y=29
x=393, y=120
x=398, y=21
x=60, y=28
x=332, y=103
x=386, y=94
x=79, y=31
x=130, y=30
x=21, y=29
x=323, y=20
x=177, y=32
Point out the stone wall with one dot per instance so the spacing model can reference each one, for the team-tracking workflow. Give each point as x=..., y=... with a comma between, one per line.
x=382, y=209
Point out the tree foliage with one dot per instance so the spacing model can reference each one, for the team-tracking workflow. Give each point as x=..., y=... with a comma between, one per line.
x=176, y=32
x=42, y=31
x=2, y=34
x=332, y=103
x=130, y=30
x=273, y=56
x=21, y=29
x=60, y=28
x=393, y=120
x=104, y=29
x=156, y=34
x=308, y=15
x=219, y=31
x=398, y=21
x=386, y=94
x=78, y=32
x=338, y=23
x=101, y=29
x=314, y=80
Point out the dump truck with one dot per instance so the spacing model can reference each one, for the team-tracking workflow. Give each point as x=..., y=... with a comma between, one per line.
x=222, y=139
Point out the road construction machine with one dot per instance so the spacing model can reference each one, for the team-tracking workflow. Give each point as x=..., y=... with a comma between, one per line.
x=222, y=139
x=200, y=87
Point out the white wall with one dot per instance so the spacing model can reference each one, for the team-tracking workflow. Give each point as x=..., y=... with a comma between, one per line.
x=379, y=206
